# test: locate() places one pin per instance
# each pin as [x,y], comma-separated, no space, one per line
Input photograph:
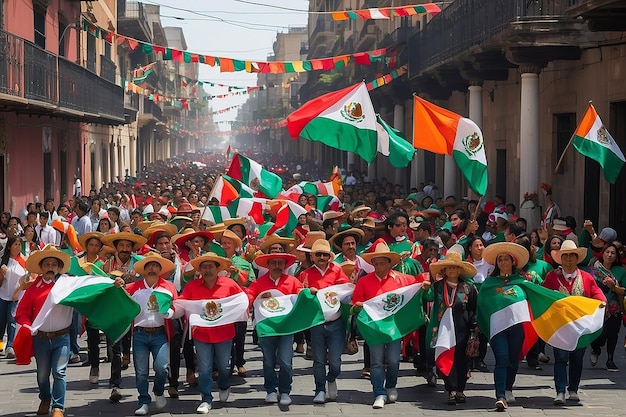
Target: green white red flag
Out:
[255,176]
[215,312]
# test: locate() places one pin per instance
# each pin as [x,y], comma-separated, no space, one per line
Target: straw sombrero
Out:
[83,239]
[48,251]
[322,245]
[359,208]
[236,220]
[337,239]
[467,270]
[168,228]
[569,246]
[188,234]
[310,239]
[222,263]
[518,252]
[348,268]
[379,249]
[167,266]
[138,241]
[229,234]
[288,243]
[263,260]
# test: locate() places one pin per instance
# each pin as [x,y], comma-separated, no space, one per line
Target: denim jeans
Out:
[277,349]
[52,356]
[389,354]
[7,310]
[210,354]
[144,345]
[506,347]
[328,338]
[575,369]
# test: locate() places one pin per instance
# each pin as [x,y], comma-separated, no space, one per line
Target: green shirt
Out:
[538,270]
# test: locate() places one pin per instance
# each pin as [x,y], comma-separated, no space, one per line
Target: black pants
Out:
[175,345]
[301,337]
[609,334]
[114,353]
[189,355]
[457,378]
[239,344]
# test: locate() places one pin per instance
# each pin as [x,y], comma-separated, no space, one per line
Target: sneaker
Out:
[431,379]
[10,353]
[501,404]
[573,396]
[142,411]
[192,379]
[172,392]
[203,408]
[593,358]
[44,407]
[560,399]
[300,348]
[116,395]
[271,398]
[332,391]
[160,402]
[451,398]
[610,366]
[94,375]
[224,394]
[365,373]
[74,358]
[320,398]
[392,395]
[543,358]
[285,400]
[241,371]
[379,402]
[510,398]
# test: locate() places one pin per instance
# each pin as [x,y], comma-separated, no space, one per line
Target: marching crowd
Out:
[473,263]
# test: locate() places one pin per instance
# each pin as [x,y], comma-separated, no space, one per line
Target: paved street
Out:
[602,392]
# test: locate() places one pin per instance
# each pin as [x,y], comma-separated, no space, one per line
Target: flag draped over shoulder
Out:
[255,176]
[442,131]
[106,306]
[343,119]
[446,343]
[594,141]
[282,314]
[392,315]
[393,143]
[215,312]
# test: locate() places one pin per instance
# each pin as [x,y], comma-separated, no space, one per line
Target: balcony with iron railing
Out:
[107,68]
[36,81]
[322,39]
[132,20]
[150,112]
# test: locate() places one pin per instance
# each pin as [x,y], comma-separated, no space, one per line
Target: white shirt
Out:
[11,279]
[48,234]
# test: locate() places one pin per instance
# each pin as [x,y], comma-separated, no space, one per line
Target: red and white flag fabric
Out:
[446,343]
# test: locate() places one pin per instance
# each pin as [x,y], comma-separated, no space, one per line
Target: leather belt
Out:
[51,335]
[150,329]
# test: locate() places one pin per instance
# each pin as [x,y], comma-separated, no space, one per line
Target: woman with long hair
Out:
[30,241]
[12,268]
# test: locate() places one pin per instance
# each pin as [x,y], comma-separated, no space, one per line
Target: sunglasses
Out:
[322,254]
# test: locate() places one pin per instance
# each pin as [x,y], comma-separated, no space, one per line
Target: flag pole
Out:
[558,165]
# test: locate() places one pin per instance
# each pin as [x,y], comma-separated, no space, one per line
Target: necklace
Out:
[447,298]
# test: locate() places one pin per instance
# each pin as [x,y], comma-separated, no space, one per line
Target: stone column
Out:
[529,138]
[398,123]
[450,172]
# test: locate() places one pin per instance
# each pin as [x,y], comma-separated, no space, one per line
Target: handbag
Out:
[352,347]
[472,349]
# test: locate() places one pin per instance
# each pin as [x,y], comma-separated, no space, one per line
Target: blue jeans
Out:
[327,338]
[52,356]
[506,347]
[145,344]
[389,354]
[7,310]
[575,369]
[277,349]
[209,354]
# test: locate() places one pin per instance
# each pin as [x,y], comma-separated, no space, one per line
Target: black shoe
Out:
[482,367]
[431,379]
[460,397]
[116,395]
[610,366]
[451,398]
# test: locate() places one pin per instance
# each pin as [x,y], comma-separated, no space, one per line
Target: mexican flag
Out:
[441,131]
[446,343]
[255,176]
[227,189]
[283,314]
[287,213]
[592,140]
[391,315]
[215,312]
[393,143]
[343,119]
[216,214]
[106,306]
[163,298]
[249,207]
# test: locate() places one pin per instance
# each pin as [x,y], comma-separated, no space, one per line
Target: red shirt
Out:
[312,277]
[555,279]
[197,290]
[286,284]
[369,286]
[33,300]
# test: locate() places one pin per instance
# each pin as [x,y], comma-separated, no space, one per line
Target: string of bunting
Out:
[431,9]
[386,79]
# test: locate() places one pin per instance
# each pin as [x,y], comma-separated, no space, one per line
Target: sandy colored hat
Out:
[236,220]
[168,228]
[167,266]
[222,263]
[188,234]
[568,246]
[263,260]
[379,249]
[145,224]
[322,245]
[273,239]
[83,239]
[310,239]
[348,268]
[518,252]
[337,239]
[559,225]
[48,251]
[229,234]
[369,223]
[331,214]
[359,208]
[138,240]
[217,230]
[466,269]
[402,203]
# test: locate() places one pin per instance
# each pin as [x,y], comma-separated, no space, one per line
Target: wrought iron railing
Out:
[150,107]
[40,74]
[107,68]
[11,64]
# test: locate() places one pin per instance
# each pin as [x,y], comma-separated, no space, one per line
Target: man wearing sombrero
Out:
[51,341]
[398,241]
[149,334]
[346,242]
[276,349]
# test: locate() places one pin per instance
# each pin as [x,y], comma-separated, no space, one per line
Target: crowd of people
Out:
[148,234]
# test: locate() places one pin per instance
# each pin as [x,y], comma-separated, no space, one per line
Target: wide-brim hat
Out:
[466,269]
[518,252]
[48,251]
[263,260]
[322,245]
[310,239]
[222,263]
[402,203]
[348,268]
[229,234]
[331,214]
[168,228]
[188,234]
[184,208]
[559,225]
[273,239]
[138,240]
[145,224]
[360,207]
[380,249]
[568,246]
[237,220]
[217,230]
[83,239]
[369,223]
[337,239]
[167,266]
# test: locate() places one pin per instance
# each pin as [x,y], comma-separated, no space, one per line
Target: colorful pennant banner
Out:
[387,12]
